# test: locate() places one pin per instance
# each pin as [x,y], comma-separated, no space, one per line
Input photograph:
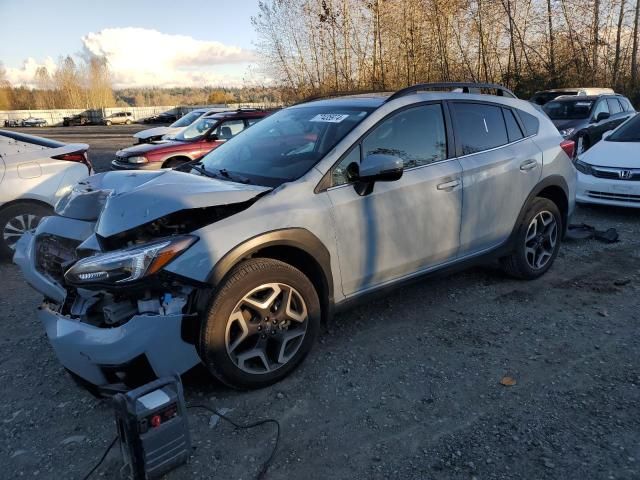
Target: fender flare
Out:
[550,181]
[298,238]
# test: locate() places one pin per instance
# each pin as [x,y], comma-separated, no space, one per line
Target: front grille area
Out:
[54,255]
[614,173]
[621,197]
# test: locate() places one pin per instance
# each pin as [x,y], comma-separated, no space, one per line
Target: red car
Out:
[193,142]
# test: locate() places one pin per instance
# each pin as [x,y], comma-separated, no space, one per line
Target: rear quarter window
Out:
[530,122]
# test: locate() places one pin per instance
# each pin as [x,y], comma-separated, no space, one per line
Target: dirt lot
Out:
[406,387]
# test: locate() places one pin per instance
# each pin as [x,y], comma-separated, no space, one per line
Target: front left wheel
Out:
[17,219]
[261,324]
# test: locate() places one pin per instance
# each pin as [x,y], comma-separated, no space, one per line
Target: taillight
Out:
[569,147]
[79,156]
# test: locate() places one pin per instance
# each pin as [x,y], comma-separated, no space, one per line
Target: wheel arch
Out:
[297,247]
[166,162]
[18,201]
[554,188]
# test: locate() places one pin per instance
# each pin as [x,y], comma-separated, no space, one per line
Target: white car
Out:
[609,172]
[34,173]
[156,133]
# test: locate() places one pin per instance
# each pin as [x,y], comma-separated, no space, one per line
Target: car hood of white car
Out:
[154,132]
[613,154]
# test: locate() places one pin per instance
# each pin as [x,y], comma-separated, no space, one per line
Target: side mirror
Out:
[602,116]
[377,168]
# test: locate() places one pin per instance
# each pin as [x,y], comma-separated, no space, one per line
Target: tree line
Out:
[320,46]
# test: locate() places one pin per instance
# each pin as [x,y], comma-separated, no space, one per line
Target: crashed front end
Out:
[114,316]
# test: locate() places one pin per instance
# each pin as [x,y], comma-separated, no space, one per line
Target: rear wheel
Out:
[108,123]
[261,324]
[17,219]
[128,122]
[537,241]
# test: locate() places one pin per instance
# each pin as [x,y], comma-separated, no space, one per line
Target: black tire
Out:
[128,122]
[108,123]
[13,211]
[244,278]
[517,264]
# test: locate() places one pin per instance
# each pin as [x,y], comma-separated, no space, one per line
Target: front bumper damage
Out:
[144,346]
[106,357]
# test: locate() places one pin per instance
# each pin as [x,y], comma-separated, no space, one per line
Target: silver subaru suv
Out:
[235,260]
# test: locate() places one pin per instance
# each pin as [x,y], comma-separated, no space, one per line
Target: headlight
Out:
[127,265]
[583,167]
[567,132]
[137,160]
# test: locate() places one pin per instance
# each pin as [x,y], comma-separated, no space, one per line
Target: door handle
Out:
[448,186]
[528,165]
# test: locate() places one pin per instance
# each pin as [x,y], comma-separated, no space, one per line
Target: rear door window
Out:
[479,127]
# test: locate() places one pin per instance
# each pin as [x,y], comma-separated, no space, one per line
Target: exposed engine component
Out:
[116,313]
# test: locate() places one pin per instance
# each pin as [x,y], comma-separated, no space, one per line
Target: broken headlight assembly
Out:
[128,265]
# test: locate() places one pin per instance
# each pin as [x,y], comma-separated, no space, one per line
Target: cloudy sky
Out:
[147,43]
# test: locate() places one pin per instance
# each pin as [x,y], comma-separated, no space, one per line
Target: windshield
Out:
[197,129]
[628,131]
[188,119]
[285,145]
[568,109]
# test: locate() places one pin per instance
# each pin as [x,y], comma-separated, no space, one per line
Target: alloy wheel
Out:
[541,239]
[17,226]
[266,328]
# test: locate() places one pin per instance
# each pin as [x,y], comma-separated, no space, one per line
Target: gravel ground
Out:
[406,387]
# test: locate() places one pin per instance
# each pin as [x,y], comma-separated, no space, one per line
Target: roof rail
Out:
[465,86]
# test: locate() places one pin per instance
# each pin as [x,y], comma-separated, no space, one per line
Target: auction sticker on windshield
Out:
[329,117]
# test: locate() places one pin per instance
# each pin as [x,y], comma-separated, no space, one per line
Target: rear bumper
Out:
[601,191]
[100,355]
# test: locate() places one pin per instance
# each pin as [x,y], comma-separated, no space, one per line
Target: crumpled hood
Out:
[120,201]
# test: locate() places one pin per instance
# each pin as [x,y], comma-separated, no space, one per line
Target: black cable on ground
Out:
[104,455]
[267,463]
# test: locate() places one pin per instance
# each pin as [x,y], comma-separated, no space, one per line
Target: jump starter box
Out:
[153,429]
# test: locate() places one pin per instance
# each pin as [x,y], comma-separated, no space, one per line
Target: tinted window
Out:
[626,104]
[479,127]
[568,109]
[530,123]
[342,173]
[416,135]
[614,106]
[628,131]
[601,107]
[513,129]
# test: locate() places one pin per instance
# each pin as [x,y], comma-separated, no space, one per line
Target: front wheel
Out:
[537,241]
[108,123]
[17,219]
[261,324]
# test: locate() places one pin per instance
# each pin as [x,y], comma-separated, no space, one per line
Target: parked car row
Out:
[26,122]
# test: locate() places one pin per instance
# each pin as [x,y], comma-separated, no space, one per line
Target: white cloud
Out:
[25,74]
[140,57]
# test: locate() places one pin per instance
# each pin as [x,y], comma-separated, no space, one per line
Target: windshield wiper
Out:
[204,171]
[233,176]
